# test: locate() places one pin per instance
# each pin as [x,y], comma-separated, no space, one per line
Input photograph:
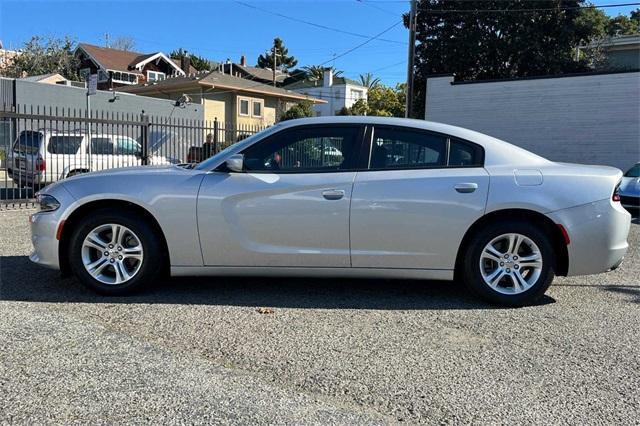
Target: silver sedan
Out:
[341,196]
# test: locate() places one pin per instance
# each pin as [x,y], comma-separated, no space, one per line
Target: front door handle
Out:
[333,194]
[466,188]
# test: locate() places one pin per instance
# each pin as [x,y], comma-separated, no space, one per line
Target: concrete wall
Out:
[591,119]
[53,95]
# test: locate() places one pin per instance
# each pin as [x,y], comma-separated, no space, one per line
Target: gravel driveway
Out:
[332,351]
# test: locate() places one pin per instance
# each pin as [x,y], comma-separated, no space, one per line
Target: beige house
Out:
[237,101]
[52,78]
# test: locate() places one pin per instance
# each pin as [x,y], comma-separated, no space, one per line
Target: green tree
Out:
[43,56]
[624,25]
[360,107]
[386,101]
[300,110]
[368,80]
[198,62]
[345,111]
[283,61]
[486,45]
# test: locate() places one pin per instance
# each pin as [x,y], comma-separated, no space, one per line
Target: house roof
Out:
[260,73]
[310,82]
[120,60]
[41,77]
[217,80]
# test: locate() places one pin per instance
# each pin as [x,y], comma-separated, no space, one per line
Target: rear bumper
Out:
[598,232]
[630,202]
[26,178]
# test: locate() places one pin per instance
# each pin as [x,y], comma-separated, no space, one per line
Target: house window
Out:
[243,106]
[123,77]
[84,73]
[257,108]
[155,76]
[357,94]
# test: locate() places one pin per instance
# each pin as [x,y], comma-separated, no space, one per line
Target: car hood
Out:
[162,169]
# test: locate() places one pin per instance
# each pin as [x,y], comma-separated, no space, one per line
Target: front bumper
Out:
[44,229]
[598,232]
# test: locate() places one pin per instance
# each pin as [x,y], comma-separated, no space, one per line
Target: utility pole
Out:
[275,62]
[411,59]
[106,40]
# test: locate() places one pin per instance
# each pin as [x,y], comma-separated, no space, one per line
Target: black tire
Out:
[470,268]
[75,173]
[152,261]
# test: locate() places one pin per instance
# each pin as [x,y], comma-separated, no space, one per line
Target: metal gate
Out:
[40,145]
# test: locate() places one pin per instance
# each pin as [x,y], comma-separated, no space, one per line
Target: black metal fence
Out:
[41,145]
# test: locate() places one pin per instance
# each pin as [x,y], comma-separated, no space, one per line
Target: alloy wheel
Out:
[511,263]
[112,254]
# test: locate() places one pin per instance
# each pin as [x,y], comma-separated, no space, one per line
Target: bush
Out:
[300,110]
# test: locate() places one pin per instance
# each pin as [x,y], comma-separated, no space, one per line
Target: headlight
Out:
[46,203]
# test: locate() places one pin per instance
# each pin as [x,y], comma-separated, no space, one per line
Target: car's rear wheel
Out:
[509,263]
[114,252]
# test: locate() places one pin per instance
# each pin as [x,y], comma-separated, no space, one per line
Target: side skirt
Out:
[423,274]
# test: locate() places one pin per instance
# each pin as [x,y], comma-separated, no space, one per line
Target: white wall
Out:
[337,97]
[592,119]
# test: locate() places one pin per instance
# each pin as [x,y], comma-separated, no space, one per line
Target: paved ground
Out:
[342,352]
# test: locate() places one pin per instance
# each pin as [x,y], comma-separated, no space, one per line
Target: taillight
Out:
[616,193]
[41,164]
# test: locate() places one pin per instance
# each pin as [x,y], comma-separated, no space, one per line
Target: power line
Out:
[313,24]
[381,9]
[370,39]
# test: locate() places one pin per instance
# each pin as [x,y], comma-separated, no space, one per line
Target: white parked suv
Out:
[40,157]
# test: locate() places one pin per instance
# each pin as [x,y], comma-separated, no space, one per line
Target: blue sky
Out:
[226,29]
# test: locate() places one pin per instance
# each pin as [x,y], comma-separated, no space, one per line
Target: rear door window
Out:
[464,154]
[399,148]
[64,144]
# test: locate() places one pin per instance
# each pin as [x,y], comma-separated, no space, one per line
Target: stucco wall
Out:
[53,95]
[592,119]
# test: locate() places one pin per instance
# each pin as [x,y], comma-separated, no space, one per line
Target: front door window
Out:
[305,150]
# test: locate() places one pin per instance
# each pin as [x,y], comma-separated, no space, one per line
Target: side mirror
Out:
[235,163]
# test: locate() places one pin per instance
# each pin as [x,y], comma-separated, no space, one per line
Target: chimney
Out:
[327,80]
[185,64]
[243,61]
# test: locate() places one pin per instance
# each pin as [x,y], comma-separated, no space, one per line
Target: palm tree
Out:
[317,71]
[369,81]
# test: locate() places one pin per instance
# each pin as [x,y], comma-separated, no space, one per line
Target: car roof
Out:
[497,152]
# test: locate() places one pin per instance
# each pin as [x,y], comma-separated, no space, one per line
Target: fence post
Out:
[215,135]
[144,138]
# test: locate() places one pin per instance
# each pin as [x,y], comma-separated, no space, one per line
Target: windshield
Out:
[634,171]
[210,162]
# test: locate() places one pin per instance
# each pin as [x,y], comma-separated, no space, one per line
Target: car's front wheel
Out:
[114,252]
[509,263]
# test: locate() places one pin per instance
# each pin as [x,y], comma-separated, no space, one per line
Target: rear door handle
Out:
[333,194]
[466,188]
